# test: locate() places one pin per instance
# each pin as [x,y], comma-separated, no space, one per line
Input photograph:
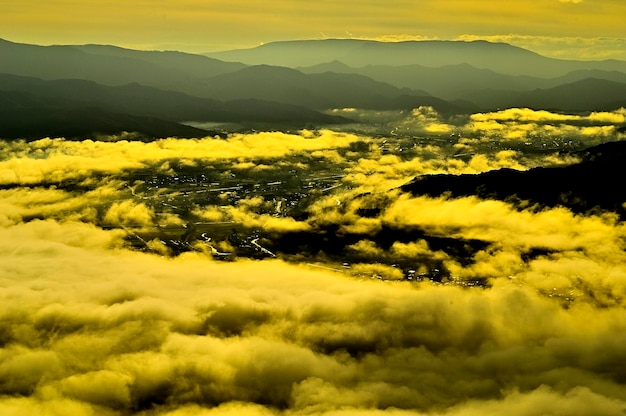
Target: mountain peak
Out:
[499,57]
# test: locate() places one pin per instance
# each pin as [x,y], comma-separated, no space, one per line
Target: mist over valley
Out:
[329,227]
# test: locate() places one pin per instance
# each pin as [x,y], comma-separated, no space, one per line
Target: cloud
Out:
[588,47]
[129,213]
[398,38]
[524,114]
[55,160]
[537,128]
[430,120]
[99,329]
[545,401]
[89,325]
[523,124]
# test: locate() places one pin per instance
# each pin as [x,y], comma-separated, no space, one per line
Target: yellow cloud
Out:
[90,327]
[57,160]
[523,124]
[523,114]
[100,330]
[129,213]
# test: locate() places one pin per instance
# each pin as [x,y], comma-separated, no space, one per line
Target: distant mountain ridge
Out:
[457,81]
[24,116]
[30,105]
[168,86]
[319,91]
[584,95]
[111,65]
[198,75]
[498,57]
[489,75]
[140,100]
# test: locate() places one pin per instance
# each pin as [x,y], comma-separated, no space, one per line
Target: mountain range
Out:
[25,99]
[498,57]
[283,85]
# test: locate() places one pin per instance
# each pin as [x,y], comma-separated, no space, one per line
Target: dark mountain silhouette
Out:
[136,99]
[320,91]
[589,94]
[593,183]
[489,75]
[461,81]
[110,65]
[205,77]
[24,116]
[191,64]
[498,57]
[448,82]
[177,87]
[46,101]
[299,53]
[574,76]
[584,90]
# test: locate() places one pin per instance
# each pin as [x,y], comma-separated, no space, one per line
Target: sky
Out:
[578,29]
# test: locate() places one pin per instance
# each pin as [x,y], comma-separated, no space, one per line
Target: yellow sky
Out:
[572,28]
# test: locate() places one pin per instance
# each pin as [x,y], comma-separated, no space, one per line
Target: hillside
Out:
[204,77]
[448,82]
[581,187]
[175,87]
[24,116]
[67,106]
[497,57]
[319,91]
[590,94]
[110,65]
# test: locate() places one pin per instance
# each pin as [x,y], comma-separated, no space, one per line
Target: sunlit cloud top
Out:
[93,324]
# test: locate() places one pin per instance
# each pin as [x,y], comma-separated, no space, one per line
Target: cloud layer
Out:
[101,329]
[92,324]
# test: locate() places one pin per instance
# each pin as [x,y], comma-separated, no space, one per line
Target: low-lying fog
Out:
[95,321]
